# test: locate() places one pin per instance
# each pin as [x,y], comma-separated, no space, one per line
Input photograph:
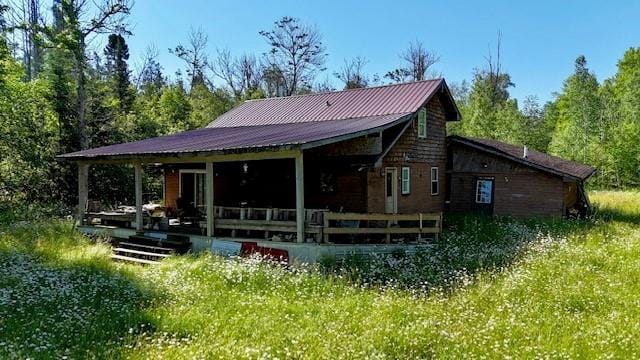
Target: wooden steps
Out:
[146,250]
[154,249]
[133,260]
[125,251]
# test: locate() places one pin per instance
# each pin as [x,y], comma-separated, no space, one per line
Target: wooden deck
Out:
[321,226]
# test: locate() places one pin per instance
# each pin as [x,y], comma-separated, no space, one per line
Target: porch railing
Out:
[384,224]
[320,225]
[267,220]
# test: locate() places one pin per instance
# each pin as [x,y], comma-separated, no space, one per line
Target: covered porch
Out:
[312,184]
[241,197]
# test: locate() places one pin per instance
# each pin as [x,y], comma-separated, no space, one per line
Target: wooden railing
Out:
[321,225]
[365,224]
[267,220]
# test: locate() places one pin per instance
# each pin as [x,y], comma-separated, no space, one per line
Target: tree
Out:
[241,75]
[150,78]
[576,136]
[75,22]
[621,111]
[28,137]
[296,55]
[194,55]
[206,105]
[417,61]
[27,20]
[117,53]
[352,74]
[489,109]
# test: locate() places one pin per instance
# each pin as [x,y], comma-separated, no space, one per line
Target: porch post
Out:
[209,195]
[138,179]
[300,214]
[83,190]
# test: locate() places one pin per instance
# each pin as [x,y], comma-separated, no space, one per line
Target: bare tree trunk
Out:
[81,82]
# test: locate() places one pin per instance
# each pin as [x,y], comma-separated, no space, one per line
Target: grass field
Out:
[490,289]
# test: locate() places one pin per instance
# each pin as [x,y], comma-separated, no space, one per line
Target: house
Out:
[354,166]
[493,177]
[304,176]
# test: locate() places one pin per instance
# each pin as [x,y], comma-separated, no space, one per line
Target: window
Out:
[406,180]
[435,185]
[484,191]
[422,123]
[192,187]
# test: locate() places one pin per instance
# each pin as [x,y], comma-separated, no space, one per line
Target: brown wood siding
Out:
[518,190]
[419,155]
[171,187]
[570,194]
[350,194]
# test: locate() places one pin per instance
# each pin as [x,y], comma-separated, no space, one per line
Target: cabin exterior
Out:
[354,171]
[493,177]
[362,167]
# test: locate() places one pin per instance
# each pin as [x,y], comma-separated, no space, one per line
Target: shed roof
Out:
[339,105]
[244,138]
[536,159]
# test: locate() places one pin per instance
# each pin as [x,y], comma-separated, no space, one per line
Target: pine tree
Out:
[116,54]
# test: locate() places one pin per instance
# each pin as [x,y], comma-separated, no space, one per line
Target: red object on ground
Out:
[275,254]
[248,248]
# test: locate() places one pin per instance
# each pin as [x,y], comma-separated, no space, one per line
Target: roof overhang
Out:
[452,113]
[318,134]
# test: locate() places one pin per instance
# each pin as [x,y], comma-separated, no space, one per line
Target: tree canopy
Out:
[60,94]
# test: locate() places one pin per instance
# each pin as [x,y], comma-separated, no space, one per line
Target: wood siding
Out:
[419,154]
[171,188]
[518,190]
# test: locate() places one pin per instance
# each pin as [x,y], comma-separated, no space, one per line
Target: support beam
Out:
[83,190]
[209,194]
[300,213]
[138,179]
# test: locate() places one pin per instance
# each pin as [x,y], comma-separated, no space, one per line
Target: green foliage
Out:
[587,122]
[28,137]
[514,289]
[117,54]
[577,127]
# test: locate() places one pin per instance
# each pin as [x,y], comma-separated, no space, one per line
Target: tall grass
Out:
[492,288]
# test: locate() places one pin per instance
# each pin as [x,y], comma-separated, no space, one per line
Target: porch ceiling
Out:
[235,140]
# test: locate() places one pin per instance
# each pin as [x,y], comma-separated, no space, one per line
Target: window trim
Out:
[422,118]
[478,181]
[436,181]
[407,180]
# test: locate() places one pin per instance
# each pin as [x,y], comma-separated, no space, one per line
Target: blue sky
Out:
[540,39]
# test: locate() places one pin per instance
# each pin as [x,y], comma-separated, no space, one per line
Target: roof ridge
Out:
[311,121]
[344,90]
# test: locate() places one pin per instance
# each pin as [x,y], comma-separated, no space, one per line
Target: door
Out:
[192,188]
[483,195]
[391,190]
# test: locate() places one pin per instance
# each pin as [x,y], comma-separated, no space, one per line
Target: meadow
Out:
[490,288]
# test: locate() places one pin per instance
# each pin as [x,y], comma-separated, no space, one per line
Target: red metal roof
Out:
[539,160]
[225,139]
[338,105]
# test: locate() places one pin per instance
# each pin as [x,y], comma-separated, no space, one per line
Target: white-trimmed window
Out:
[484,191]
[422,123]
[406,180]
[435,184]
